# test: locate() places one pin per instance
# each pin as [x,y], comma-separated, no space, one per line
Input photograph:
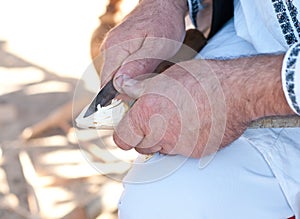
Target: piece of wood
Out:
[276,122]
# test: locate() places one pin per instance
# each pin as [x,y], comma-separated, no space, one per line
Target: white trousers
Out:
[257,176]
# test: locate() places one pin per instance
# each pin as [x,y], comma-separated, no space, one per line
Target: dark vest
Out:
[222,12]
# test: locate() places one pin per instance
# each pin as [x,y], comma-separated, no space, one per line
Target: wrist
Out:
[253,88]
[264,88]
[178,5]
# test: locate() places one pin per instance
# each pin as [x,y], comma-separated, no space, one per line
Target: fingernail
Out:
[119,81]
[133,88]
[129,83]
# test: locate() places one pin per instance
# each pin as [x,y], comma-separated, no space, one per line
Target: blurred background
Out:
[45,166]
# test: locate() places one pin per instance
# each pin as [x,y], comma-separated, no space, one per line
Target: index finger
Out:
[112,56]
[127,135]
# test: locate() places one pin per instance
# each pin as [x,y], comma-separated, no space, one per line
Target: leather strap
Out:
[222,12]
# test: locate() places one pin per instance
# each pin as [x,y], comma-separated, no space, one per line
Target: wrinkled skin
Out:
[126,46]
[193,108]
[199,106]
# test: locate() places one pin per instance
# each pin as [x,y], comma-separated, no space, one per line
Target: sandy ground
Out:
[44,51]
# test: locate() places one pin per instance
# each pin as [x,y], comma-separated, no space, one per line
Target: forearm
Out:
[256,81]
[178,5]
[269,96]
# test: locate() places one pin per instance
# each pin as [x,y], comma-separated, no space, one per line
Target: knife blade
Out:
[104,98]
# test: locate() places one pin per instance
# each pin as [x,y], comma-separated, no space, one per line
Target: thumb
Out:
[132,72]
[134,69]
[134,87]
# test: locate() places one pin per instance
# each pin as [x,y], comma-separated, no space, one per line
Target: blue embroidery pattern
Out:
[293,12]
[290,76]
[284,20]
[194,7]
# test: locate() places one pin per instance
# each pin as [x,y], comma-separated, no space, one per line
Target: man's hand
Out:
[199,106]
[152,32]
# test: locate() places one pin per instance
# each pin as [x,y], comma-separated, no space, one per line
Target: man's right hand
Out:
[152,32]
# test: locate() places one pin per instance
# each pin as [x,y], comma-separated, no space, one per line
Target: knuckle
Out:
[167,149]
[120,143]
[128,133]
[145,105]
[139,116]
[145,150]
[110,39]
[107,42]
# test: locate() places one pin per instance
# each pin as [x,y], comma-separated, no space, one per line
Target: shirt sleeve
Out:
[291,77]
[194,7]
